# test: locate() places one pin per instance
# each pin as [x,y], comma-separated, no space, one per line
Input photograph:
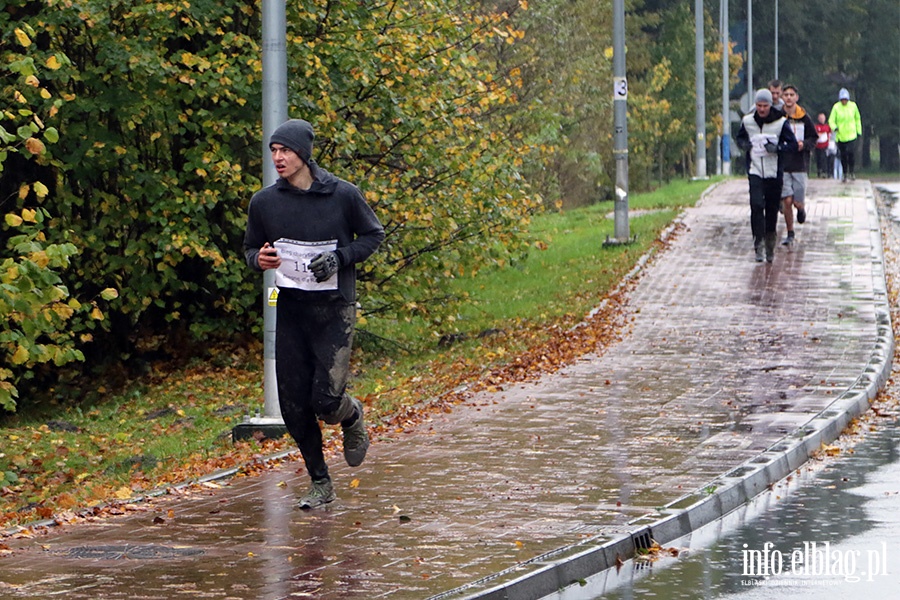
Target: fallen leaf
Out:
[123,493]
[354,484]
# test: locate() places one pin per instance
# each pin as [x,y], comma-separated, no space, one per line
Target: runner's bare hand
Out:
[268,257]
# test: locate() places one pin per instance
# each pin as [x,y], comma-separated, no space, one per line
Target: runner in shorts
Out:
[796,164]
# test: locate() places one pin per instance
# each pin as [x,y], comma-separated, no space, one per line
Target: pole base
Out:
[258,428]
[619,242]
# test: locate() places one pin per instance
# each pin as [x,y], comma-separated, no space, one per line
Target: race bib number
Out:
[294,270]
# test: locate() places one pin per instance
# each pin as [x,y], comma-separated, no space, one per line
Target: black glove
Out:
[324,265]
[771,147]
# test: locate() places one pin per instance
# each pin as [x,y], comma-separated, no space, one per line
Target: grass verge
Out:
[175,426]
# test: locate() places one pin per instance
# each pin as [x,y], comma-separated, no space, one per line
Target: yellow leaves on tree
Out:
[20,356]
[22,37]
[34,145]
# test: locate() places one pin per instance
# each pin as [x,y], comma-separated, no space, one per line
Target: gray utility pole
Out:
[751,91]
[620,117]
[700,90]
[274,113]
[726,93]
[776,39]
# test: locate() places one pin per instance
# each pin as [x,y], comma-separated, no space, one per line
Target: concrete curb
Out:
[562,568]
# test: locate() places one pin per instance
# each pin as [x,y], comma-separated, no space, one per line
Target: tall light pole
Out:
[700,90]
[274,113]
[776,39]
[726,93]
[620,116]
[750,89]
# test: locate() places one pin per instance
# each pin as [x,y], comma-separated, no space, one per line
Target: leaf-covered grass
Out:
[175,426]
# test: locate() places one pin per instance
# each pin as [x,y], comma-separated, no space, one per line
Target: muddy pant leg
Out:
[333,342]
[295,369]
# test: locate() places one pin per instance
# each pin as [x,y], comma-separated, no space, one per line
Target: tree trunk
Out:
[889,150]
[865,152]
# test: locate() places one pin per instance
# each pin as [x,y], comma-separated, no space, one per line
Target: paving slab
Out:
[724,361]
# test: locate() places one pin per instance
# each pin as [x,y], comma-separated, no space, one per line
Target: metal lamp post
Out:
[700,90]
[726,93]
[274,113]
[620,123]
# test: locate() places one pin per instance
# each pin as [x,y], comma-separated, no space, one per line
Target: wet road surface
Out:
[721,358]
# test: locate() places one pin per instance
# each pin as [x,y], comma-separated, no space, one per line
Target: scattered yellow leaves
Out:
[67,501]
[354,483]
[831,450]
[123,493]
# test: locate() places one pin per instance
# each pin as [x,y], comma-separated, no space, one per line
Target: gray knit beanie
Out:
[763,95]
[297,135]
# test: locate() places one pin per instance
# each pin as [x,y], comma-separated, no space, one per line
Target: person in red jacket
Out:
[823,134]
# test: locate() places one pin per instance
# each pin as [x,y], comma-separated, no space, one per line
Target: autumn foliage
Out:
[131,146]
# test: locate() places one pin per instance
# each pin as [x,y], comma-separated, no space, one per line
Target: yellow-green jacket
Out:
[845,121]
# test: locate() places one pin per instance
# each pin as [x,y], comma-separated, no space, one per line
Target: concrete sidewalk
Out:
[730,374]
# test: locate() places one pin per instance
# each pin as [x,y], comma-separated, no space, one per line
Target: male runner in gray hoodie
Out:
[313,227]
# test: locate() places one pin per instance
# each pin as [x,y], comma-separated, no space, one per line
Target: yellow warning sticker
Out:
[273,296]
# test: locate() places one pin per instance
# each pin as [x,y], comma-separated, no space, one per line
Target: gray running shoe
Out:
[787,241]
[320,492]
[356,438]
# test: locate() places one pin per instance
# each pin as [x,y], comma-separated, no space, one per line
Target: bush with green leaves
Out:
[41,323]
[153,111]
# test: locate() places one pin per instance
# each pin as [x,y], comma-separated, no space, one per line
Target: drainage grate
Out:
[150,552]
[643,540]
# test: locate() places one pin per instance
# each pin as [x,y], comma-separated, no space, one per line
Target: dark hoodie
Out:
[804,130]
[331,209]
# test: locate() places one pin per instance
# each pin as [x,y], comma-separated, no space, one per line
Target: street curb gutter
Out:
[562,568]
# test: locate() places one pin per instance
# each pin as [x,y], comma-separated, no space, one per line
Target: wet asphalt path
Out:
[721,358]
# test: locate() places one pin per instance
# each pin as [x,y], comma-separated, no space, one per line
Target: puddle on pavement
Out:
[835,530]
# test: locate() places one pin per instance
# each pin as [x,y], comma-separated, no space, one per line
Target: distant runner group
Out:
[777,137]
